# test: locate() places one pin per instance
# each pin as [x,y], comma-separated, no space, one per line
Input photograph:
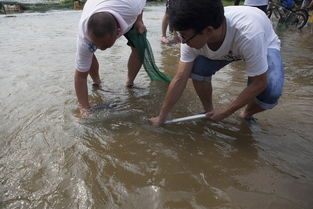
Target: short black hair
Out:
[101,24]
[195,14]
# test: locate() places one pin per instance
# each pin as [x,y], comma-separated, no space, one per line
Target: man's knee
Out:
[270,96]
[200,65]
[204,68]
[275,81]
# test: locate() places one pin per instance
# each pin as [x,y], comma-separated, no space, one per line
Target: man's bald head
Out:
[101,24]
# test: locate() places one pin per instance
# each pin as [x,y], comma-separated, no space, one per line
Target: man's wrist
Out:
[162,117]
[228,111]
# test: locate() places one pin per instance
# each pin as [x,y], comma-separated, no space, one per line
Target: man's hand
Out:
[140,27]
[217,114]
[174,91]
[156,121]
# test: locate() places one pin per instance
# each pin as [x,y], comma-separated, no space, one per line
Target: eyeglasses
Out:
[184,40]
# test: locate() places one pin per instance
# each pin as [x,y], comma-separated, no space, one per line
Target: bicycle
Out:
[289,16]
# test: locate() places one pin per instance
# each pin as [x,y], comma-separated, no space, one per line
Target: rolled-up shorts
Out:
[129,41]
[204,68]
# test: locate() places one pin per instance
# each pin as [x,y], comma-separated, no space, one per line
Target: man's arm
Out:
[85,62]
[174,92]
[253,51]
[257,85]
[82,91]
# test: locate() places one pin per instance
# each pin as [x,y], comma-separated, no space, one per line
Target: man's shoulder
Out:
[246,20]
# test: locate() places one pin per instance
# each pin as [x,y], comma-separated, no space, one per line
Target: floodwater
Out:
[49,158]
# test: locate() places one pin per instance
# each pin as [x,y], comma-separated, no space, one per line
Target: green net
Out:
[143,47]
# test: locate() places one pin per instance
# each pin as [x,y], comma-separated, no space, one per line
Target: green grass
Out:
[228,2]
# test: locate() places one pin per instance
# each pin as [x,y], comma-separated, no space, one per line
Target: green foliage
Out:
[228,2]
[63,2]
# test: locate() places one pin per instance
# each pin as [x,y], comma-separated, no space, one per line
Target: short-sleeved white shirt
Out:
[255,2]
[124,11]
[249,34]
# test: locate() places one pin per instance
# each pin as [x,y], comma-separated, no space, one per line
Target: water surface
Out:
[115,159]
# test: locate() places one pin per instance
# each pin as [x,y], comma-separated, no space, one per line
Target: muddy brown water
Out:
[115,159]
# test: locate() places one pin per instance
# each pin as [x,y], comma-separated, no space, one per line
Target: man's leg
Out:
[94,71]
[201,75]
[236,2]
[134,65]
[204,91]
[164,28]
[268,99]
[164,24]
[164,38]
[251,109]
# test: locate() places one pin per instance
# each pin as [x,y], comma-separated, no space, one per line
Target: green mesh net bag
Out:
[143,47]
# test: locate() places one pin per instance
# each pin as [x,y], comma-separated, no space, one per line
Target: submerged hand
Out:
[217,114]
[156,121]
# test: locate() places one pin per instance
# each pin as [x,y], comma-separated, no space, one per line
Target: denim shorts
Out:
[204,68]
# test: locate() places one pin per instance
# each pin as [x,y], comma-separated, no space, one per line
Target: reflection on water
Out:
[115,159]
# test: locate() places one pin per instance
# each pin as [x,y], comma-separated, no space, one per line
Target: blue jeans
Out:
[204,68]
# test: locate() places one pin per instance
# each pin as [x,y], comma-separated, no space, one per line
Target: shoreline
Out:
[12,7]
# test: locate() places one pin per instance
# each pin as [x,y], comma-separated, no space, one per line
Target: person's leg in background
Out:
[164,38]
[236,2]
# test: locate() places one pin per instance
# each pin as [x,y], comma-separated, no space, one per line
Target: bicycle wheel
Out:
[269,12]
[304,11]
[301,18]
[269,9]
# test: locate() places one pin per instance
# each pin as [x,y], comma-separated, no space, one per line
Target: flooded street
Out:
[49,158]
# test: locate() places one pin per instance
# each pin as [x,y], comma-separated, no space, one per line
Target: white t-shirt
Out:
[124,11]
[249,34]
[255,2]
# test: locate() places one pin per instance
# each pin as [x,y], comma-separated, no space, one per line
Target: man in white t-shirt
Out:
[212,39]
[261,4]
[101,23]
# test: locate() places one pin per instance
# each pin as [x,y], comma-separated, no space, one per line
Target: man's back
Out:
[124,11]
[248,21]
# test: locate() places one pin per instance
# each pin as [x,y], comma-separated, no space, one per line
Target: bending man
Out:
[211,39]
[101,23]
